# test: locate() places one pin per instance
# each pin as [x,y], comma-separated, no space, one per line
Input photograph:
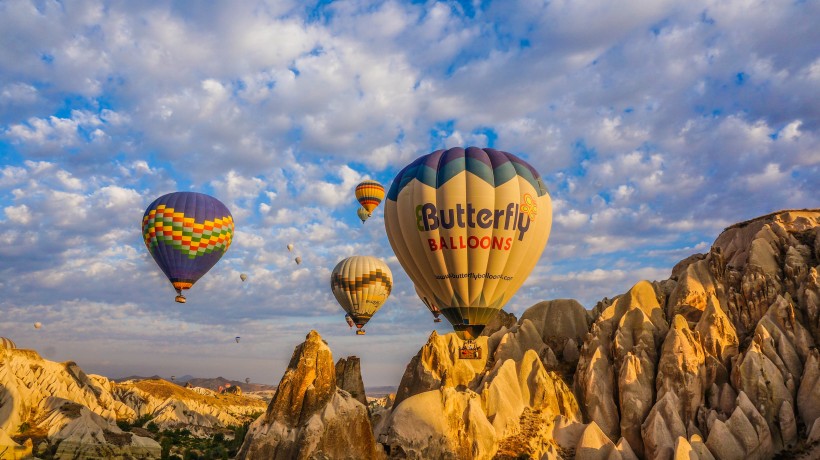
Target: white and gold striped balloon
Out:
[361,285]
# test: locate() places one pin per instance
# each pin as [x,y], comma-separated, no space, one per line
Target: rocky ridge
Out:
[45,405]
[718,361]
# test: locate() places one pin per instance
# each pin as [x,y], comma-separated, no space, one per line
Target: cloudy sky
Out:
[654,124]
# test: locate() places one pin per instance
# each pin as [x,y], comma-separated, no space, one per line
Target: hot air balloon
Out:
[173,377]
[186,233]
[349,321]
[247,380]
[369,193]
[361,284]
[38,325]
[468,226]
[290,247]
[237,339]
[298,260]
[363,214]
[430,306]
[243,277]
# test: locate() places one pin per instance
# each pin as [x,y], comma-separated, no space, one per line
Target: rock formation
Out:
[719,361]
[309,416]
[57,406]
[502,404]
[349,378]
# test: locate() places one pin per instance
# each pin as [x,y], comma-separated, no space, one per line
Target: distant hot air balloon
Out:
[237,339]
[290,247]
[468,226]
[369,193]
[430,306]
[186,233]
[247,380]
[38,325]
[349,321]
[363,214]
[243,277]
[173,377]
[298,260]
[361,284]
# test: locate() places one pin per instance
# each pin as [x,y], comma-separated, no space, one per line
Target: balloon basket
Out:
[360,332]
[470,350]
[181,299]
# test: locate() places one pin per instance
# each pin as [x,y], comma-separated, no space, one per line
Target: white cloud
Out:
[18,214]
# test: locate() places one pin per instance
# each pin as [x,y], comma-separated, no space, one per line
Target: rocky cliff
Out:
[717,362]
[55,407]
[310,417]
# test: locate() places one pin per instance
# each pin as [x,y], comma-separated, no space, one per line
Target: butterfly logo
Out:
[529,207]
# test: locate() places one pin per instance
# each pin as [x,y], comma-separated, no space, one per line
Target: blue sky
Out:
[654,125]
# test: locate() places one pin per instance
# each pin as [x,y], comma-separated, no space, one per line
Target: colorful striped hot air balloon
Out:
[186,233]
[361,284]
[369,193]
[468,226]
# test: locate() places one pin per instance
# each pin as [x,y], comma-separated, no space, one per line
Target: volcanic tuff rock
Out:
[349,378]
[452,408]
[199,410]
[719,361]
[57,404]
[309,417]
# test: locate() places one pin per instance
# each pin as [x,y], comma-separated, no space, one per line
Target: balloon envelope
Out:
[468,226]
[186,233]
[298,260]
[290,247]
[38,325]
[243,277]
[361,285]
[363,214]
[369,193]
[237,339]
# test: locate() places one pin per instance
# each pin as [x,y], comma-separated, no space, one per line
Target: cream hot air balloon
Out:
[38,325]
[468,226]
[243,277]
[361,285]
[363,214]
[430,306]
[290,247]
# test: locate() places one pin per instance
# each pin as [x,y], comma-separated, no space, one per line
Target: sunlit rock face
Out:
[75,415]
[73,410]
[309,416]
[718,361]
